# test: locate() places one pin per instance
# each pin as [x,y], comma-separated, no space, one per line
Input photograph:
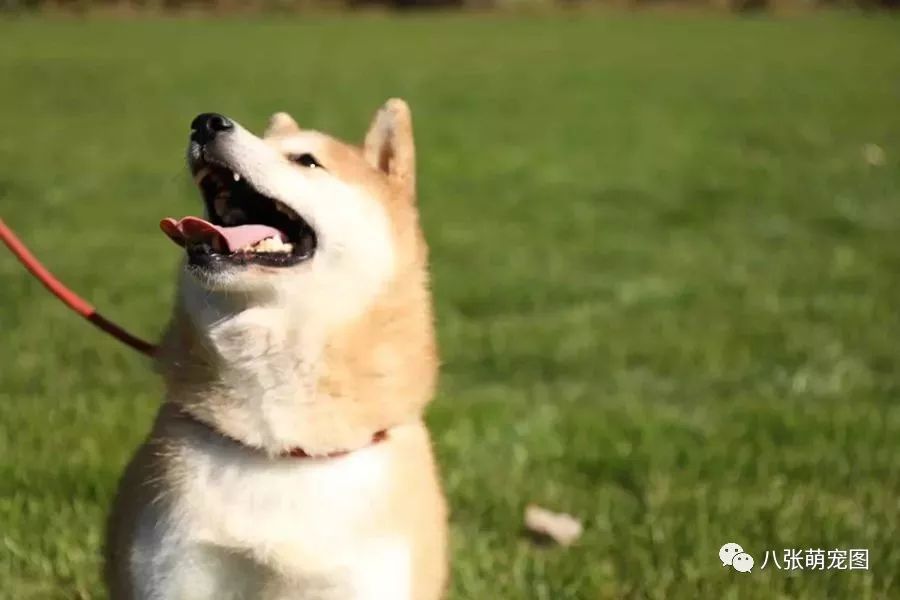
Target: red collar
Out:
[379,436]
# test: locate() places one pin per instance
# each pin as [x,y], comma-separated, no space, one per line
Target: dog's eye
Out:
[306,159]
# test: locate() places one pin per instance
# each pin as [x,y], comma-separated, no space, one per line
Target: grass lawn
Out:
[667,279]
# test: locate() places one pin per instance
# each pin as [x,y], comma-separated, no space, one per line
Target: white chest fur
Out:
[244,526]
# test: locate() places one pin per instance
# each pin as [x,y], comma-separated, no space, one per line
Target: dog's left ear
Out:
[389,145]
[281,123]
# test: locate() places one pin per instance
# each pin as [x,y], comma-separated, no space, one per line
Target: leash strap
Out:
[70,298]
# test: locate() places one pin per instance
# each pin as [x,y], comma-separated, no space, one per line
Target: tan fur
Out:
[372,371]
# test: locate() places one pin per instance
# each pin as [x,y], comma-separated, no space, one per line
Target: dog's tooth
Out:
[272,245]
[201,175]
[237,176]
[266,245]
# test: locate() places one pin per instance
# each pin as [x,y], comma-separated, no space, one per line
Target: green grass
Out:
[667,281]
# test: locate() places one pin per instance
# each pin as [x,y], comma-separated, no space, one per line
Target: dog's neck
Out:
[260,349]
[264,374]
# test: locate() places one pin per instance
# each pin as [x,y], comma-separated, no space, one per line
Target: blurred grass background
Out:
[665,254]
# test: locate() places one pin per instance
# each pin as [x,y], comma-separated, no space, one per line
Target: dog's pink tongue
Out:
[232,238]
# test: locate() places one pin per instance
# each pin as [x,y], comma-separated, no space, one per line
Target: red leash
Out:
[70,298]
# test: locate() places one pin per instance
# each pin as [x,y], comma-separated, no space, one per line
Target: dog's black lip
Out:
[296,229]
[199,158]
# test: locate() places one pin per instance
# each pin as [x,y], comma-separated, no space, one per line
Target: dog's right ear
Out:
[281,123]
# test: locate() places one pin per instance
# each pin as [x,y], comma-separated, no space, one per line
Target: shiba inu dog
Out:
[289,459]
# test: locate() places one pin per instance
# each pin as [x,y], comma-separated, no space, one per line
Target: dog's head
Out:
[299,214]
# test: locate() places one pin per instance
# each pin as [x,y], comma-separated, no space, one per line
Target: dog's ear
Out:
[389,145]
[281,123]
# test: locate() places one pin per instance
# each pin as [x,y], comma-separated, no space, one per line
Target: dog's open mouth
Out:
[245,226]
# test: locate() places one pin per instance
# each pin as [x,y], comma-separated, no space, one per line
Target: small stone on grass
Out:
[562,528]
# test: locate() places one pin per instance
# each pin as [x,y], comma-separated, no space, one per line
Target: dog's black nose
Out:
[205,126]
